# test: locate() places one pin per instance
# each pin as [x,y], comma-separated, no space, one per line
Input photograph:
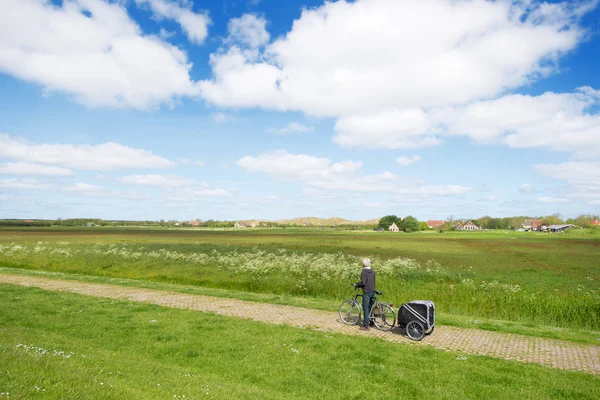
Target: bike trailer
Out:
[418,317]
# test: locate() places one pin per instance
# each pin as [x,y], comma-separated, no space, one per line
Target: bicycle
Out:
[382,314]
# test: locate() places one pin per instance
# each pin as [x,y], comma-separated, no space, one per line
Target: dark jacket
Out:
[367,280]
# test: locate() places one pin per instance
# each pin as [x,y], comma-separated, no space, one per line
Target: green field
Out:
[59,345]
[536,279]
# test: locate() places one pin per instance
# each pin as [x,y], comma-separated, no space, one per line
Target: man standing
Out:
[367,282]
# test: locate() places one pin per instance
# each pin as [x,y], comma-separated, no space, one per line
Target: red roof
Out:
[595,222]
[435,223]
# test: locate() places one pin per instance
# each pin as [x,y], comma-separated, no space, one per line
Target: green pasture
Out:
[537,279]
[59,345]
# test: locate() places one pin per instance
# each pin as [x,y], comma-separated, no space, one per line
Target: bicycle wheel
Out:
[384,317]
[415,330]
[349,312]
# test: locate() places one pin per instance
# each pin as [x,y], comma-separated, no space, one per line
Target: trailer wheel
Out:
[415,330]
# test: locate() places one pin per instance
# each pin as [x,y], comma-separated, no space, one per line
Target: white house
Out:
[470,226]
[394,228]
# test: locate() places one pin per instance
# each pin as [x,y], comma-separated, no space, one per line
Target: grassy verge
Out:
[573,335]
[59,345]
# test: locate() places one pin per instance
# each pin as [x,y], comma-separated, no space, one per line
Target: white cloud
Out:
[157,180]
[574,173]
[101,157]
[343,176]
[582,179]
[25,168]
[92,50]
[527,188]
[362,57]
[221,118]
[405,161]
[249,30]
[292,127]
[195,25]
[405,75]
[85,188]
[197,192]
[552,200]
[187,161]
[555,121]
[26,184]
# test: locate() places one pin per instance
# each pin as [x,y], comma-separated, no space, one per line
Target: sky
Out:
[270,109]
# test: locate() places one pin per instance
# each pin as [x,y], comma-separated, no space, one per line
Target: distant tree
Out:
[410,224]
[423,226]
[388,220]
[554,219]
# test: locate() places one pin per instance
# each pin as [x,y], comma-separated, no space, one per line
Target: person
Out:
[367,283]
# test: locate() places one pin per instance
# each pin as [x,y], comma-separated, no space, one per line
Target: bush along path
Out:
[547,352]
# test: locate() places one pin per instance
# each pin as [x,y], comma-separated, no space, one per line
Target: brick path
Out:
[548,352]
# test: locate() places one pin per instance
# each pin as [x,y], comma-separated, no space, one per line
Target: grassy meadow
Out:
[60,345]
[537,279]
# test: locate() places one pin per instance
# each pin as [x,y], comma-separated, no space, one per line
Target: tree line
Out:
[411,224]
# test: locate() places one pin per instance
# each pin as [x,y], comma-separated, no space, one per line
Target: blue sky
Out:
[180,109]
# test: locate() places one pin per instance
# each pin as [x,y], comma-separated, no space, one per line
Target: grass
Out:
[527,329]
[538,279]
[59,345]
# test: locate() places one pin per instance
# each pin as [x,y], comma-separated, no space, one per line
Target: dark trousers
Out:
[368,298]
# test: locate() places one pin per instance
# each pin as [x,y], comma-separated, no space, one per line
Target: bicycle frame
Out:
[376,304]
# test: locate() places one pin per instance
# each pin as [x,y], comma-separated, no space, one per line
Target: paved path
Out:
[549,352]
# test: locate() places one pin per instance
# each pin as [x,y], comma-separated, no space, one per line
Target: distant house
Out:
[560,228]
[533,224]
[195,222]
[458,226]
[595,223]
[28,221]
[394,228]
[254,224]
[470,226]
[435,223]
[240,224]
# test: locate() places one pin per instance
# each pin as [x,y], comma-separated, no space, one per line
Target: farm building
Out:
[533,224]
[470,226]
[458,226]
[435,223]
[394,228]
[560,228]
[240,224]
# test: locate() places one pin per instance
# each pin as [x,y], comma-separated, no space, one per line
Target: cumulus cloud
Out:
[552,200]
[157,180]
[249,30]
[194,24]
[527,188]
[93,51]
[101,157]
[322,173]
[405,161]
[25,168]
[405,75]
[199,191]
[347,58]
[555,121]
[292,127]
[582,179]
[25,184]
[187,161]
